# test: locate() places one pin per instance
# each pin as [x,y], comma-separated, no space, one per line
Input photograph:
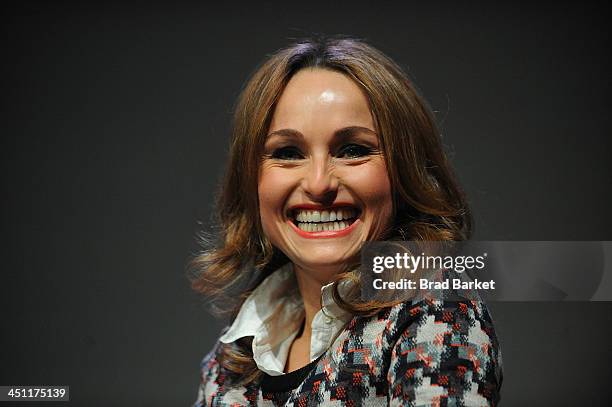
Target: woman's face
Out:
[323,184]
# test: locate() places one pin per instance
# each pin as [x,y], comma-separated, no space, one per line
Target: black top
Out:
[287,382]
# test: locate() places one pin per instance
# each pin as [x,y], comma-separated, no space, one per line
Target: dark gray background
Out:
[114,130]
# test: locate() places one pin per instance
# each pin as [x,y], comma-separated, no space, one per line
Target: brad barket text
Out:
[425,284]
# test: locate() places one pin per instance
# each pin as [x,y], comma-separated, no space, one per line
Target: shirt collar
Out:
[273,314]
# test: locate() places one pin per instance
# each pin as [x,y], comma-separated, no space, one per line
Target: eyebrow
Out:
[340,133]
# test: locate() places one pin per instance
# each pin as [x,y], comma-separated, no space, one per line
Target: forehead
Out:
[321,99]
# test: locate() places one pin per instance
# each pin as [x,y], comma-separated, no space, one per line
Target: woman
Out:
[332,146]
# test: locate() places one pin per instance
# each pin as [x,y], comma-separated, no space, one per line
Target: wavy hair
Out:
[427,200]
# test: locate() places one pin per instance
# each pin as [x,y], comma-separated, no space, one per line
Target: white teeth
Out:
[327,220]
[324,216]
[321,227]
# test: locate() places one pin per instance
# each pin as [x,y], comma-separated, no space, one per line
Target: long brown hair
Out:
[427,201]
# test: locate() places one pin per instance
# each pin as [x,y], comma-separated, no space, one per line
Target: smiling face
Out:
[323,185]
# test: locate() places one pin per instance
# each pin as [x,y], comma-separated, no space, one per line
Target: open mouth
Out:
[327,220]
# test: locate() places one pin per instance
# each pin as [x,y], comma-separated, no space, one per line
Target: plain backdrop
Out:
[114,131]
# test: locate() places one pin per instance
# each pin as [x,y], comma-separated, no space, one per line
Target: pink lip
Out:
[322,208]
[325,233]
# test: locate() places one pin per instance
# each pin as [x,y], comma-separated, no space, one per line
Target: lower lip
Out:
[324,233]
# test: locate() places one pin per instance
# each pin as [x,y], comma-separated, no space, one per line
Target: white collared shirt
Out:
[273,315]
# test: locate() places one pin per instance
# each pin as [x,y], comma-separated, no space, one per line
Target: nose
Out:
[320,183]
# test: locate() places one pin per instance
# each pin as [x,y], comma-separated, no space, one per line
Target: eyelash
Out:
[293,153]
[283,152]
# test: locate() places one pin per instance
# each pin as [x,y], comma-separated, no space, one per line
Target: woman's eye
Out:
[354,151]
[287,153]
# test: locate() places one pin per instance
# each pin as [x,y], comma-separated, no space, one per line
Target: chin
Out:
[327,258]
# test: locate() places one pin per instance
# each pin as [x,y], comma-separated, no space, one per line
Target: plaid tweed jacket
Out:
[429,353]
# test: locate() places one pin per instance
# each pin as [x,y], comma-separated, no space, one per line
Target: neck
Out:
[310,289]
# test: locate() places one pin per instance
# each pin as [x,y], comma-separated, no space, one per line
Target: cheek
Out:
[372,184]
[273,189]
[373,188]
